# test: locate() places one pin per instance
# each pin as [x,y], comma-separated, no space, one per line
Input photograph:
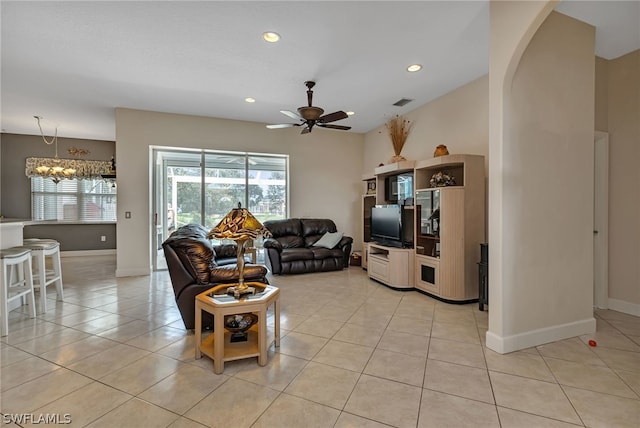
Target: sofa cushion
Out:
[317,226]
[292,254]
[288,227]
[291,241]
[329,240]
[320,253]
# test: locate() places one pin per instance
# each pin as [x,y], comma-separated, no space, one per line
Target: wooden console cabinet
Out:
[391,266]
[448,227]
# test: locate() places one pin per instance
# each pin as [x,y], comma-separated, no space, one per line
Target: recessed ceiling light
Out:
[271,36]
[250,100]
[414,67]
[351,113]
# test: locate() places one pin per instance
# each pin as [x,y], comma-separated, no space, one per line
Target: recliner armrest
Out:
[346,240]
[272,243]
[231,274]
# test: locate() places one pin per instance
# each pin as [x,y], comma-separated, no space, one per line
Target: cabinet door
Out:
[378,268]
[428,275]
[452,244]
[427,241]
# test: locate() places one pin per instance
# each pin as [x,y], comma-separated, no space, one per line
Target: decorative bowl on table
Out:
[238,325]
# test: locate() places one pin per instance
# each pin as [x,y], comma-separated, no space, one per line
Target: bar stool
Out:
[41,249]
[19,257]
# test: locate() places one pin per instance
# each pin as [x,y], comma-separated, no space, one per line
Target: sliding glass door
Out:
[202,186]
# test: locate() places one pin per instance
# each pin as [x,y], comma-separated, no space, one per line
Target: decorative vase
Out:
[397,158]
[441,150]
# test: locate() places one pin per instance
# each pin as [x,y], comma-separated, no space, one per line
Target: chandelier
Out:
[58,169]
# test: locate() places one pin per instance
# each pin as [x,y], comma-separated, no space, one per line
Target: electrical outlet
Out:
[103,238]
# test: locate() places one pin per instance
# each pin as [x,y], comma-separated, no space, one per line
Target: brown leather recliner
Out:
[195,265]
[291,248]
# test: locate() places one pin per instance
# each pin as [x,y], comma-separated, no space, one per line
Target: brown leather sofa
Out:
[291,248]
[195,265]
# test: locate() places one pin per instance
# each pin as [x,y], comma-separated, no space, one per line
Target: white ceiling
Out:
[74,62]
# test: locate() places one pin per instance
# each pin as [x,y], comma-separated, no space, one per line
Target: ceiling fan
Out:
[311,116]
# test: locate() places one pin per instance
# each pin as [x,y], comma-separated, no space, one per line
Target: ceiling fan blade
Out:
[282,125]
[291,114]
[344,128]
[332,117]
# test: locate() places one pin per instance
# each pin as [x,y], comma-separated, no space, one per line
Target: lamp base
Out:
[236,292]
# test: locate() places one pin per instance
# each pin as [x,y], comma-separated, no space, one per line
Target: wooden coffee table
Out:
[217,345]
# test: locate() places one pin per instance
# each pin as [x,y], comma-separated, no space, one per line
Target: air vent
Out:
[402,102]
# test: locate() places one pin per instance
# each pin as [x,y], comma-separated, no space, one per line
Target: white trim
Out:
[541,336]
[624,307]
[87,253]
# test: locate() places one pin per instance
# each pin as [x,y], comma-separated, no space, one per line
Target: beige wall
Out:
[623,77]
[325,171]
[459,120]
[542,129]
[549,178]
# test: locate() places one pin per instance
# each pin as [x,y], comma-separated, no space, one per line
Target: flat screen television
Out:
[386,225]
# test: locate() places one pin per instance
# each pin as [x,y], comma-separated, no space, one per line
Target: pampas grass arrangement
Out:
[399,129]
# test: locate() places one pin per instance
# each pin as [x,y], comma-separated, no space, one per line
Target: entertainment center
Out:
[423,226]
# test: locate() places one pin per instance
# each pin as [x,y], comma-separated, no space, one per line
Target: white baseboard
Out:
[86,253]
[504,345]
[624,307]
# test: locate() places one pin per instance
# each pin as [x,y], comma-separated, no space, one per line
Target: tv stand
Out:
[391,266]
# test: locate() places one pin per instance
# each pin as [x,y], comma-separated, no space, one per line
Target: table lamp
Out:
[240,225]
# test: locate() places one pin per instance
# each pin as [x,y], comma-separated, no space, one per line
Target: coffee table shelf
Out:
[233,351]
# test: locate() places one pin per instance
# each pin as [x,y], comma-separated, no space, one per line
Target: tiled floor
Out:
[354,353]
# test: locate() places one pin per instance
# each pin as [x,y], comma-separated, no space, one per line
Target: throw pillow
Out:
[329,240]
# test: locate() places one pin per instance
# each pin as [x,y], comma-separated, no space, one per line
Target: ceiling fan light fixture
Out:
[310,115]
[310,112]
[271,36]
[414,67]
[250,100]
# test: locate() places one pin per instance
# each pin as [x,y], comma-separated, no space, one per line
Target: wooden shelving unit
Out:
[443,262]
[447,251]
